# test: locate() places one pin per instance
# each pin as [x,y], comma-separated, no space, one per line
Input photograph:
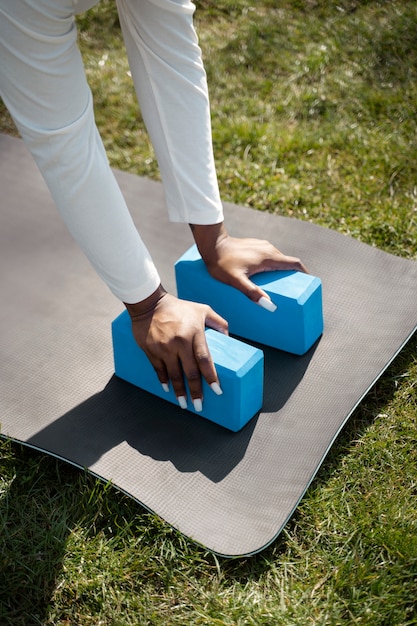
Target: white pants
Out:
[43,84]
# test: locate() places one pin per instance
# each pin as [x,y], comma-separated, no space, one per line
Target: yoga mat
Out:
[232,493]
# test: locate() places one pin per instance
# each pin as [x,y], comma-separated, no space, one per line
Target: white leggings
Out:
[43,84]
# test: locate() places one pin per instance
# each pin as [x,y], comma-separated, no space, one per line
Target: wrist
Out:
[207,238]
[142,308]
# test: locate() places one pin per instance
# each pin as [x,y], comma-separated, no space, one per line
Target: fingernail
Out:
[198,405]
[165,387]
[182,401]
[216,388]
[267,304]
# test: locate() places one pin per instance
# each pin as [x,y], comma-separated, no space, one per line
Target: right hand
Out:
[171,333]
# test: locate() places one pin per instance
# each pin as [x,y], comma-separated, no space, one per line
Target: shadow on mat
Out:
[160,430]
[154,427]
[283,374]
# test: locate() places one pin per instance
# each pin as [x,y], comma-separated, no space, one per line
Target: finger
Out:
[164,377]
[294,263]
[205,362]
[282,262]
[215,321]
[176,377]
[161,372]
[248,288]
[254,293]
[191,361]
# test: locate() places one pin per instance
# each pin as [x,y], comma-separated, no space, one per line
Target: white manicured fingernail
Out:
[267,304]
[182,401]
[216,388]
[198,405]
[165,387]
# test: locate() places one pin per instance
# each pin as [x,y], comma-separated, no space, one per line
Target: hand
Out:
[171,333]
[233,260]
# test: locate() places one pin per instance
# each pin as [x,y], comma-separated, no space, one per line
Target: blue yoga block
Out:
[239,367]
[295,325]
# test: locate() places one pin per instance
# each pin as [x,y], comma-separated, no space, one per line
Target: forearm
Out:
[43,84]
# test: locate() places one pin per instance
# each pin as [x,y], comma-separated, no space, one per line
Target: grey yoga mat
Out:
[232,493]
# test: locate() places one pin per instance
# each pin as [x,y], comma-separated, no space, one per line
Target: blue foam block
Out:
[239,367]
[293,327]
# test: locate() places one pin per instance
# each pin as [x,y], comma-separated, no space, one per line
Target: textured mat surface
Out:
[232,493]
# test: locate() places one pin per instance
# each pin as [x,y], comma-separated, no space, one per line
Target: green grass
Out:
[314,116]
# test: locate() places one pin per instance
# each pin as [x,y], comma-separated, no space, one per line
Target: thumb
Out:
[254,293]
[215,321]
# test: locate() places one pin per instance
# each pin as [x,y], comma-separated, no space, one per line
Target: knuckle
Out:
[166,347]
[160,370]
[176,378]
[193,375]
[207,310]
[252,293]
[176,343]
[202,356]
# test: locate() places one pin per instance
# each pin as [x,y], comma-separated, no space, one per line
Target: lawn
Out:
[314,116]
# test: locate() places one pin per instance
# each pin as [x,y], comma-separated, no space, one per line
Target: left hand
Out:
[233,261]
